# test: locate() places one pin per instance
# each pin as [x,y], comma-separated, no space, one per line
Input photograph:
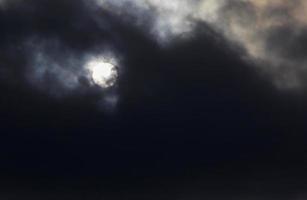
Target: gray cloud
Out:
[48,66]
[58,37]
[59,71]
[46,45]
[271,32]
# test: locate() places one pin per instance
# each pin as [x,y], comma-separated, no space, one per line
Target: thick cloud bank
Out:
[272,33]
[146,87]
[48,43]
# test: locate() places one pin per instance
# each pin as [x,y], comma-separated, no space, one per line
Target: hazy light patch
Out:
[50,74]
[208,10]
[170,18]
[109,102]
[46,68]
[59,72]
[102,72]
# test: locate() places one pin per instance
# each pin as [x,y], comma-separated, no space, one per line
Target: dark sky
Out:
[204,105]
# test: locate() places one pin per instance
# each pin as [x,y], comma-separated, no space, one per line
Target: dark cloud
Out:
[45,46]
[80,29]
[186,102]
[198,78]
[288,42]
[272,34]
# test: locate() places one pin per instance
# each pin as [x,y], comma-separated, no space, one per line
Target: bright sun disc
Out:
[103,73]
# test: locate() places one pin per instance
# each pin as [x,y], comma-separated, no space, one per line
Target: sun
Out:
[102,73]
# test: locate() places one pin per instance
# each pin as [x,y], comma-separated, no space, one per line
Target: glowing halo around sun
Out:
[103,73]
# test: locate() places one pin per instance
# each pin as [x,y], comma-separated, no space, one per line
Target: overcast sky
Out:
[200,98]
